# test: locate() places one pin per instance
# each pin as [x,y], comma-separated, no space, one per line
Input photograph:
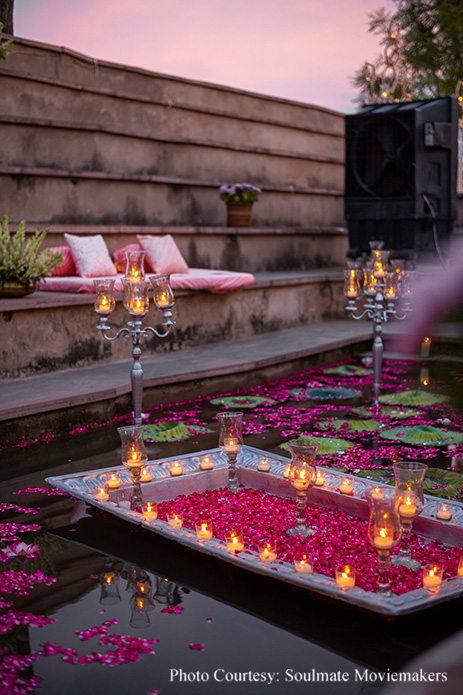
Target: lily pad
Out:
[438,482]
[172,431]
[241,401]
[350,425]
[326,445]
[323,394]
[425,435]
[348,370]
[412,398]
[394,413]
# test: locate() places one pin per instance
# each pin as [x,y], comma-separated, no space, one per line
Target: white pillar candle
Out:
[176,468]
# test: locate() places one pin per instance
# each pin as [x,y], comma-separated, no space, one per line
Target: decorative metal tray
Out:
[163,487]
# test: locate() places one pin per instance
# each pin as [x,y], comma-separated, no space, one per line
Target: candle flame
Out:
[383,532]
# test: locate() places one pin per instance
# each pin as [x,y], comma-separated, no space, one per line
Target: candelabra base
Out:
[405,561]
[301,530]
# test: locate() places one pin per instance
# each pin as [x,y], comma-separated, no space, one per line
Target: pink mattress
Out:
[216,281]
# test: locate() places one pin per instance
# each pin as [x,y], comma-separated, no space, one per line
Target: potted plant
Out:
[239,198]
[21,266]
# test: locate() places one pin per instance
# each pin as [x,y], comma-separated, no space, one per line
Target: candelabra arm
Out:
[168,323]
[351,308]
[103,327]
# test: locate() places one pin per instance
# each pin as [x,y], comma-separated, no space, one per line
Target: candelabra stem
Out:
[404,557]
[137,497]
[136,377]
[377,358]
[384,579]
[232,478]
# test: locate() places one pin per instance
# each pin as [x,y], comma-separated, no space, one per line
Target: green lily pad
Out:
[348,370]
[412,398]
[425,435]
[394,413]
[323,394]
[326,445]
[439,483]
[350,425]
[241,401]
[172,431]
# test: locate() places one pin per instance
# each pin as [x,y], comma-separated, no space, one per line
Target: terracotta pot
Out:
[12,289]
[239,214]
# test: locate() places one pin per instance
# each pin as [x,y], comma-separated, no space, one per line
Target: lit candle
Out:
[286,471]
[113,481]
[432,577]
[176,468]
[408,507]
[145,475]
[460,568]
[301,479]
[345,577]
[444,513]
[109,577]
[383,539]
[101,494]
[319,479]
[267,551]
[425,347]
[231,445]
[346,487]
[263,465]
[235,543]
[303,563]
[137,306]
[204,529]
[352,291]
[163,300]
[377,493]
[104,305]
[150,511]
[206,463]
[175,520]
[134,458]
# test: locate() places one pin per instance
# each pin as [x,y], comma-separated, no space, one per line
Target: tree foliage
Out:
[430,41]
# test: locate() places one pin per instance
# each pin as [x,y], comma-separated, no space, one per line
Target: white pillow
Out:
[90,255]
[163,254]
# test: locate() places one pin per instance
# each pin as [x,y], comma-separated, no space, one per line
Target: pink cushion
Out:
[215,281]
[121,261]
[163,254]
[91,256]
[67,266]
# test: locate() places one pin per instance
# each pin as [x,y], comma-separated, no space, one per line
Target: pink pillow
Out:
[91,256]
[67,266]
[163,254]
[121,261]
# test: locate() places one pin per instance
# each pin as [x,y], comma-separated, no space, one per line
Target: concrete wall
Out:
[89,143]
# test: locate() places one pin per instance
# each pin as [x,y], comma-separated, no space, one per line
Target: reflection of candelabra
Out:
[382,288]
[136,301]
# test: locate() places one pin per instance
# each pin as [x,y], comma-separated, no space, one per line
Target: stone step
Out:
[47,331]
[74,397]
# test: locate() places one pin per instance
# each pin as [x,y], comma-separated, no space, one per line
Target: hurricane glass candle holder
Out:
[302,473]
[409,478]
[383,533]
[231,441]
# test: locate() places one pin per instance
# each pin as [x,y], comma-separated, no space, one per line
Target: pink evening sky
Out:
[306,50]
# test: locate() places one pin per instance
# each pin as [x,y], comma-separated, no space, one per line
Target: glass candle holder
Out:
[176,468]
[163,295]
[345,576]
[383,532]
[352,283]
[432,577]
[231,441]
[204,529]
[380,261]
[109,587]
[175,519]
[303,562]
[104,297]
[206,463]
[409,478]
[133,457]
[263,465]
[150,511]
[135,265]
[140,607]
[113,481]
[301,474]
[444,512]
[376,245]
[145,475]
[234,541]
[392,288]
[346,486]
[370,286]
[101,493]
[136,298]
[267,550]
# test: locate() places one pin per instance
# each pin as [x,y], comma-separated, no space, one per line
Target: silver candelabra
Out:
[382,288]
[136,301]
